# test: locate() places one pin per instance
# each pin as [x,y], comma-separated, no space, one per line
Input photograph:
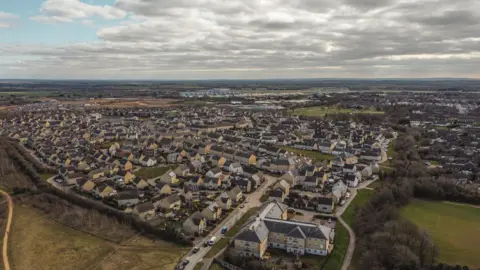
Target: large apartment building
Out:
[271,229]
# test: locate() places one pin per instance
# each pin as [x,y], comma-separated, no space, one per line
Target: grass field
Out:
[35,240]
[321,111]
[147,173]
[363,195]
[46,176]
[454,228]
[315,155]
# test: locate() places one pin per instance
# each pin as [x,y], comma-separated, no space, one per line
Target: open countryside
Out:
[322,111]
[454,227]
[37,240]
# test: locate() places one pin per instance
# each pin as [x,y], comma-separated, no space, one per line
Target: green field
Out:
[455,229]
[147,173]
[28,93]
[321,111]
[46,176]
[315,155]
[363,195]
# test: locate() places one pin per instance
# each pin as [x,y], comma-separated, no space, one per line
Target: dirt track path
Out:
[6,264]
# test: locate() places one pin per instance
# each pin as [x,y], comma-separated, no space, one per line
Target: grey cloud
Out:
[285,38]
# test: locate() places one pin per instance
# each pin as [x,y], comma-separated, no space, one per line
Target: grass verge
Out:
[221,244]
[335,259]
[236,228]
[198,266]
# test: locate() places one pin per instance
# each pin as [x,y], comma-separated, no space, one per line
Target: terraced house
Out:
[270,229]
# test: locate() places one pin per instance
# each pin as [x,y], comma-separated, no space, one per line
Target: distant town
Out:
[251,179]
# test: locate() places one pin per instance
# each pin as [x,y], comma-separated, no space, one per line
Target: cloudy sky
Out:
[239,39]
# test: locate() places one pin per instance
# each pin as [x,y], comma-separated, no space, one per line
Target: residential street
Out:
[253,201]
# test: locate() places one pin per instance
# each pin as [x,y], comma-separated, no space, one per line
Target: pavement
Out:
[253,200]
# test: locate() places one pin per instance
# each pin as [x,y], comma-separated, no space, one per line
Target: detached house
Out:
[103,190]
[172,202]
[246,158]
[163,188]
[212,212]
[235,194]
[224,201]
[352,180]
[144,211]
[350,168]
[195,224]
[324,204]
[85,185]
[127,198]
[169,178]
[139,182]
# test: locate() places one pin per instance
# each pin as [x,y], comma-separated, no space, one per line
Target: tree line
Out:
[385,240]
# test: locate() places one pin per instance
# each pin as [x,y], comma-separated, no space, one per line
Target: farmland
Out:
[454,228]
[322,111]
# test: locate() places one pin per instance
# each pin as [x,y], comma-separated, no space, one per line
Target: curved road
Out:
[351,244]
[6,264]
